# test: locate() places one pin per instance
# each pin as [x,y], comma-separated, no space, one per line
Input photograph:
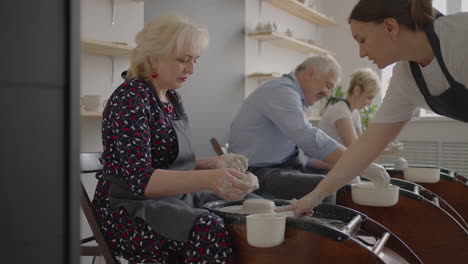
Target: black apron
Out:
[171,217]
[453,102]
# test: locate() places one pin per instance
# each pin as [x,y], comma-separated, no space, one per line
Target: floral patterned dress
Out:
[138,138]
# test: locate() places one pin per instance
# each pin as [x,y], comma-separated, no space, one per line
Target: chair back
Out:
[90,163]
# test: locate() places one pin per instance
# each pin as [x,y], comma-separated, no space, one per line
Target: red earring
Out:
[154,75]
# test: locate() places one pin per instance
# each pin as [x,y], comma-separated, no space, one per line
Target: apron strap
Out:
[415,69]
[333,100]
[435,44]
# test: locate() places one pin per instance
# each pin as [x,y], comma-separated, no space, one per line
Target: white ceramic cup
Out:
[366,193]
[424,175]
[93,102]
[265,230]
[400,164]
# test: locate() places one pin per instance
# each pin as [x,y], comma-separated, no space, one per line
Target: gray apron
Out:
[288,180]
[171,217]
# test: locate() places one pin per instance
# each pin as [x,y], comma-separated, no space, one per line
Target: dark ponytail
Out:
[414,14]
[421,12]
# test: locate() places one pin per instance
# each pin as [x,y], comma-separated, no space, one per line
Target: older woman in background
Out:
[342,120]
[150,194]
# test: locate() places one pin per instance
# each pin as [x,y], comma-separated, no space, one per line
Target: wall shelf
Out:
[298,9]
[99,47]
[90,114]
[264,76]
[284,41]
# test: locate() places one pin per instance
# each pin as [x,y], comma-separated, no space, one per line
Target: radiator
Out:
[451,155]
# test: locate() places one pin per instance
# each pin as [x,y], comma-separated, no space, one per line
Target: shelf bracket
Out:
[260,4]
[259,47]
[112,68]
[113,12]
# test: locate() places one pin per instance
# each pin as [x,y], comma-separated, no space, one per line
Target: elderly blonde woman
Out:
[342,121]
[150,194]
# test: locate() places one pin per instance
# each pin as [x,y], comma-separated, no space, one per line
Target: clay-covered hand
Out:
[251,179]
[230,184]
[302,207]
[377,175]
[234,161]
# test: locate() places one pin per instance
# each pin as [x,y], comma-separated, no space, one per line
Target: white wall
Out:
[96,70]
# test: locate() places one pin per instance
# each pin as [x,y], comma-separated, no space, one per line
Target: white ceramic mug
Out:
[93,102]
[265,230]
[424,175]
[400,164]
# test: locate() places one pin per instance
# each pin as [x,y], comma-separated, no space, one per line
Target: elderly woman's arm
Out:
[208,163]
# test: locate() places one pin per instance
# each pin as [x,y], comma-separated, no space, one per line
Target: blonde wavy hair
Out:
[160,37]
[367,79]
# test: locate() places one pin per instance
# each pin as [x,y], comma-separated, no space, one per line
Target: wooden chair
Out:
[216,146]
[90,163]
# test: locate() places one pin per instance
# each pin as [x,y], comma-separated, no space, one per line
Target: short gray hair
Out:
[160,37]
[322,64]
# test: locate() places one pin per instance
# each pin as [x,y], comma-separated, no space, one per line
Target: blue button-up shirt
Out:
[272,124]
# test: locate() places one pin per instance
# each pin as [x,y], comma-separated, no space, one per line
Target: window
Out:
[440,5]
[464,7]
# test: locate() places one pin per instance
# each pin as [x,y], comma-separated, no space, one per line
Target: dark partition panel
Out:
[39,131]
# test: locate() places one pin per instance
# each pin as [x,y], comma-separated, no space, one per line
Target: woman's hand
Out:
[302,207]
[229,184]
[377,175]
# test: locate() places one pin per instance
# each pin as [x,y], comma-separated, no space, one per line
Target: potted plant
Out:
[366,115]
